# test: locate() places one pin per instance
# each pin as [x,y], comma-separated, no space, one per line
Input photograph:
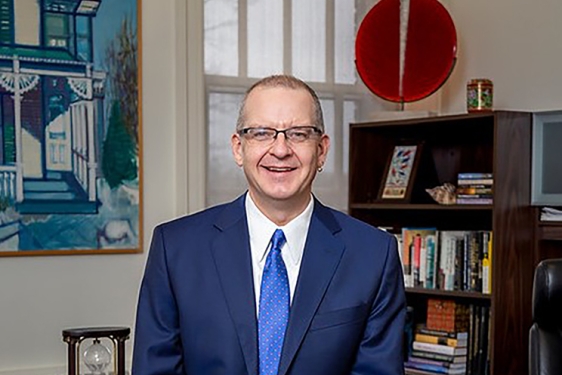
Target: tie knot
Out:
[277,240]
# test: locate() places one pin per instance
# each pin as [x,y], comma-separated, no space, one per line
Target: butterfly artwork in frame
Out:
[400,172]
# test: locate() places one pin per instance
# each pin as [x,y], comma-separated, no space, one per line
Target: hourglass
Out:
[97,357]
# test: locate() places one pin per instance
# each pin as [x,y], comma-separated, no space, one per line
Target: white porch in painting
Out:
[69,142]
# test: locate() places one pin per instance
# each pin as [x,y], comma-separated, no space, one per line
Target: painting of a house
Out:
[69,126]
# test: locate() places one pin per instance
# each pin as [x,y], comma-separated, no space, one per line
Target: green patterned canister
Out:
[479,95]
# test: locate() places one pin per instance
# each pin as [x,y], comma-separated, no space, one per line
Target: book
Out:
[436,362]
[439,357]
[434,368]
[476,182]
[487,264]
[440,349]
[474,190]
[475,201]
[453,335]
[459,343]
[413,371]
[474,175]
[474,242]
[431,261]
[475,196]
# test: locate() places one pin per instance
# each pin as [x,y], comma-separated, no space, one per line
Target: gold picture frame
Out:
[400,173]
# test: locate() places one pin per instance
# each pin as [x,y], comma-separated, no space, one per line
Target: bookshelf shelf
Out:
[551,231]
[550,224]
[496,142]
[415,207]
[450,294]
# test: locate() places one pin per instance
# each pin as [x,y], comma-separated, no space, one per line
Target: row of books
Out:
[446,260]
[454,352]
[474,188]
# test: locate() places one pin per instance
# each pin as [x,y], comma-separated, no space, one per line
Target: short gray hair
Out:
[285,81]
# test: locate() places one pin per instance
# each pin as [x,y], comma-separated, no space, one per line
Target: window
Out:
[84,38]
[57,31]
[249,39]
[6,21]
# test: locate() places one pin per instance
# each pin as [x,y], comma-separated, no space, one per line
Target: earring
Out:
[320,169]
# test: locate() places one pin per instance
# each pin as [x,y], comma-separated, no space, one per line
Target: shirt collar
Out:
[261,230]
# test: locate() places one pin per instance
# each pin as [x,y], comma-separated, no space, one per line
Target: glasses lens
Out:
[298,134]
[261,134]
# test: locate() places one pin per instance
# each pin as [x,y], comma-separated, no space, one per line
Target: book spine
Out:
[438,357]
[440,349]
[450,265]
[417,259]
[427,367]
[434,332]
[466,262]
[474,261]
[487,264]
[407,258]
[430,277]
[475,201]
[474,196]
[447,364]
[423,262]
[474,175]
[459,245]
[438,340]
[476,182]
[473,190]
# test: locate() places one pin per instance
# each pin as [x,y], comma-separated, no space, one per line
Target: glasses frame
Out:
[245,131]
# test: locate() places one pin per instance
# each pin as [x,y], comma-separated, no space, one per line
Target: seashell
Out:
[443,194]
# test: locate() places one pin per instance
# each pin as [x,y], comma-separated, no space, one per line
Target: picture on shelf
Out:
[399,172]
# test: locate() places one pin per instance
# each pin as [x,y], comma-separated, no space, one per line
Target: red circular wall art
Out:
[429,51]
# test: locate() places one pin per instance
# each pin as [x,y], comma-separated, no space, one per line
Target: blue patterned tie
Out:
[274,307]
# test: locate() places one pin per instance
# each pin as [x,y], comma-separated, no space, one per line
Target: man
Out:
[273,282]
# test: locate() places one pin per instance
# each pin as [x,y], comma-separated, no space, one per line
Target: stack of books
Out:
[437,352]
[474,188]
[447,315]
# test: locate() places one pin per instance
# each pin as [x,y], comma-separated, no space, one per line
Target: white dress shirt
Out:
[261,230]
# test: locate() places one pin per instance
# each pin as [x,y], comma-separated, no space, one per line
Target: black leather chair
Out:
[545,336]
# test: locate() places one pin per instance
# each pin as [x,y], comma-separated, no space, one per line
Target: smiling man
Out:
[274,282]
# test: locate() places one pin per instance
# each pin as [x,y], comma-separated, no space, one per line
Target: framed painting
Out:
[70,127]
[400,172]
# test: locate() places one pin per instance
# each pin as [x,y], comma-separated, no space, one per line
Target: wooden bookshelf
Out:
[496,142]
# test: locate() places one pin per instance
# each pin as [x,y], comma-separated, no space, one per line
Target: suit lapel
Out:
[231,252]
[321,257]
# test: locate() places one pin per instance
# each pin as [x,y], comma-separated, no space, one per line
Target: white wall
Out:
[515,43]
[40,296]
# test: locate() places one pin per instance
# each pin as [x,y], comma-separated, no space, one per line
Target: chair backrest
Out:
[545,336]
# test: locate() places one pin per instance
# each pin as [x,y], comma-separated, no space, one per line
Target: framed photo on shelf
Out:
[400,173]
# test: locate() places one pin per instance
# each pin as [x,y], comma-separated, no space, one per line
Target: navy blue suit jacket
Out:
[197,312]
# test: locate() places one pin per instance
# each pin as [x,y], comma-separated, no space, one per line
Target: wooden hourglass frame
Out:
[75,336]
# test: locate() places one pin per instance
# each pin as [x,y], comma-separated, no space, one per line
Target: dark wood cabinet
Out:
[496,142]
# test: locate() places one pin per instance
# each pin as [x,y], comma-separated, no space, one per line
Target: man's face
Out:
[280,170]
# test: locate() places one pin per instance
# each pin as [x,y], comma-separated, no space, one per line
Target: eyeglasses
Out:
[297,134]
